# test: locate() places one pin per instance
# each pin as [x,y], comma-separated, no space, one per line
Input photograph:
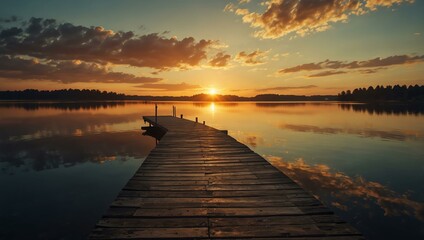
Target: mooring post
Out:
[181,116]
[203,122]
[156,113]
[196,119]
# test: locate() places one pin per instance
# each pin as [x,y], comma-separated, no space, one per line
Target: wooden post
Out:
[181,116]
[196,119]
[203,122]
[156,113]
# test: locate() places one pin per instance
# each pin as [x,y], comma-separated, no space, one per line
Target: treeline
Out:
[63,94]
[380,93]
[235,98]
[370,94]
[96,95]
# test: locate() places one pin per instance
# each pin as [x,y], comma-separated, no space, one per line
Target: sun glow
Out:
[212,91]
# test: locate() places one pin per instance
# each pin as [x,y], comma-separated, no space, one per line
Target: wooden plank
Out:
[148,233]
[255,211]
[201,183]
[304,230]
[171,212]
[153,222]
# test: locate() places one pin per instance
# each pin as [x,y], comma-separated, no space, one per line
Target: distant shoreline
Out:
[378,95]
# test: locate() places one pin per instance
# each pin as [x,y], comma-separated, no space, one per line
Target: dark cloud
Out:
[367,66]
[301,17]
[48,39]
[169,86]
[254,58]
[220,60]
[10,19]
[285,88]
[66,71]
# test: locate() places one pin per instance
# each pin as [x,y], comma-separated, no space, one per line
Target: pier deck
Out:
[201,183]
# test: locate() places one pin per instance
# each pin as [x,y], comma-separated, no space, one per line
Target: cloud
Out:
[373,4]
[48,39]
[254,58]
[230,7]
[220,60]
[283,17]
[66,71]
[327,73]
[10,19]
[366,66]
[169,86]
[285,88]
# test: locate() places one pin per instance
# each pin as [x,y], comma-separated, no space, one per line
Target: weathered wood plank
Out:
[148,233]
[201,183]
[153,222]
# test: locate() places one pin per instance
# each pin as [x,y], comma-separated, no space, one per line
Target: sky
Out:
[186,47]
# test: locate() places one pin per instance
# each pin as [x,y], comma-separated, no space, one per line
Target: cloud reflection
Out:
[389,135]
[56,151]
[18,128]
[347,191]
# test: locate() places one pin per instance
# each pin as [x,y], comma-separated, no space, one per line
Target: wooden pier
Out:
[201,183]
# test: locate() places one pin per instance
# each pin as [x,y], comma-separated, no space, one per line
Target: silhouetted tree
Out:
[63,94]
[380,93]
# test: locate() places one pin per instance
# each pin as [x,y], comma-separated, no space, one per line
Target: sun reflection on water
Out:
[212,108]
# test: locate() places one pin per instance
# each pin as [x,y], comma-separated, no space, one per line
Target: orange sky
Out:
[236,47]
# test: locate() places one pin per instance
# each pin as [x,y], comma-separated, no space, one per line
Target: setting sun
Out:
[212,91]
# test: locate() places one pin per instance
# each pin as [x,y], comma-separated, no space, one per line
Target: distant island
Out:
[378,94]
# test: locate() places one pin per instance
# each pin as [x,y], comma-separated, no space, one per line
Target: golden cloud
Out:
[168,86]
[365,66]
[220,60]
[254,58]
[283,17]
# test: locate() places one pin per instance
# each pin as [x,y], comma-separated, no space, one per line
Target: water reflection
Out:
[71,106]
[59,147]
[356,195]
[389,135]
[53,152]
[342,187]
[388,109]
[34,127]
[206,104]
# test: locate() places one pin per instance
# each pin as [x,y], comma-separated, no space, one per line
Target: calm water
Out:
[61,164]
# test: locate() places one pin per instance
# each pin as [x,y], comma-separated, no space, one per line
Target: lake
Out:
[62,164]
